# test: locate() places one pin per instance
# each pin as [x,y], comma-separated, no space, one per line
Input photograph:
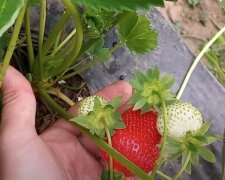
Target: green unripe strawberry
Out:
[87,104]
[183,117]
[97,115]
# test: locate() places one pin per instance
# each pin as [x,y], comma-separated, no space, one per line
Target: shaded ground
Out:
[195,24]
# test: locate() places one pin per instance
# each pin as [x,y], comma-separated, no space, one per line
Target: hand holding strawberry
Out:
[136,134]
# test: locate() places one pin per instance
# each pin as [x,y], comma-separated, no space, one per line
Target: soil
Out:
[195,24]
[77,90]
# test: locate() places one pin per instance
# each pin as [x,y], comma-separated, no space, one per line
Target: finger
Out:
[119,88]
[19,105]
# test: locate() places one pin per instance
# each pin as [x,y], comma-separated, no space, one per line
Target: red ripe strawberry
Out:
[138,141]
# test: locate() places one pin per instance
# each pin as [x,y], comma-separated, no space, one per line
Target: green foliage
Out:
[151,90]
[215,56]
[118,5]
[136,32]
[4,41]
[97,22]
[9,10]
[98,51]
[101,116]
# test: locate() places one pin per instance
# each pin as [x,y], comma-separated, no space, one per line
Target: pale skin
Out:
[60,152]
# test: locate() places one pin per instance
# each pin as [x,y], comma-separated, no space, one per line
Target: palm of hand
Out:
[60,153]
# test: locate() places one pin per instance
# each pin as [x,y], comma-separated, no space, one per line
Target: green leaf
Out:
[9,10]
[139,104]
[4,41]
[99,52]
[207,155]
[118,5]
[136,32]
[97,22]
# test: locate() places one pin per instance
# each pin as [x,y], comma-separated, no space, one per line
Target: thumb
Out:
[19,105]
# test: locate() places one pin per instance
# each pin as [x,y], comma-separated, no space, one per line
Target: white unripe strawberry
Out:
[87,104]
[182,117]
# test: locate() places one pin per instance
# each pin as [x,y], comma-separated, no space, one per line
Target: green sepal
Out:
[116,102]
[207,155]
[173,146]
[150,90]
[137,33]
[205,127]
[188,168]
[140,104]
[195,158]
[100,115]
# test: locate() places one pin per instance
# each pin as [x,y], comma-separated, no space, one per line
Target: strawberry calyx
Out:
[150,90]
[96,114]
[193,146]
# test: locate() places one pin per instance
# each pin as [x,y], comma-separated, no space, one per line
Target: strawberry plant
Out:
[157,130]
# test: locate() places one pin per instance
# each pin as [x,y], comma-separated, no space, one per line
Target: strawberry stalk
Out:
[59,94]
[12,43]
[196,61]
[110,157]
[161,174]
[163,147]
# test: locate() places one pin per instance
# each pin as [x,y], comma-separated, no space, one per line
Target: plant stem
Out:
[163,146]
[29,39]
[196,61]
[100,143]
[59,94]
[57,42]
[110,157]
[56,31]
[78,40]
[87,66]
[163,175]
[64,42]
[182,169]
[82,69]
[12,43]
[42,22]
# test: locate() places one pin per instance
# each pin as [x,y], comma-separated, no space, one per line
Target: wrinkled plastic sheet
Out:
[173,57]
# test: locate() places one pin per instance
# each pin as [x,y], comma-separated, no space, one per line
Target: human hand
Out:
[60,152]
